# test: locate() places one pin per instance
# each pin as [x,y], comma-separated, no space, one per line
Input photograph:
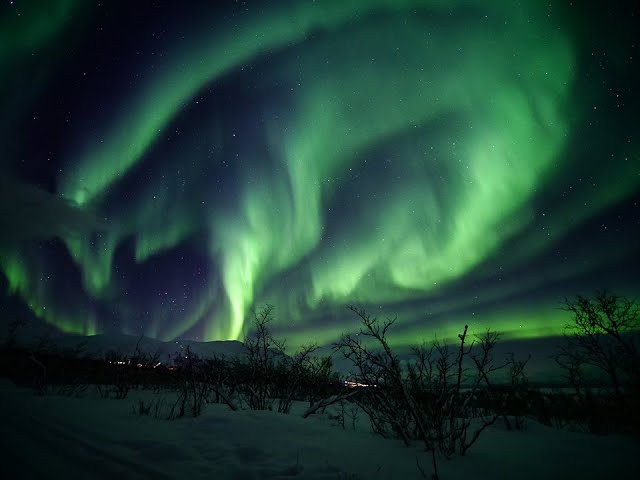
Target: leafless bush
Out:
[516,395]
[301,375]
[126,372]
[221,380]
[191,386]
[432,399]
[572,367]
[271,379]
[321,404]
[319,379]
[156,408]
[346,413]
[603,335]
[262,353]
[603,338]
[75,389]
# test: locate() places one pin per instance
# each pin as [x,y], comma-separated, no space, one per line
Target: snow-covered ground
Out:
[83,438]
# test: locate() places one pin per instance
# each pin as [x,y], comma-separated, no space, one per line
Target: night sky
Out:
[167,166]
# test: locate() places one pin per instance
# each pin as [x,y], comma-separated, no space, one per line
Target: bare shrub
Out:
[432,399]
[154,408]
[271,379]
[262,351]
[602,341]
[604,335]
[220,377]
[517,394]
[190,385]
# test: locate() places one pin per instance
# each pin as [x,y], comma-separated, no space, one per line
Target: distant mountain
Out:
[540,369]
[98,346]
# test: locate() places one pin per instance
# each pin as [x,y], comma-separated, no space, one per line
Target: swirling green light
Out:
[413,143]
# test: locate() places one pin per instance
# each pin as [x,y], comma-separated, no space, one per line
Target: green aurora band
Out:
[462,110]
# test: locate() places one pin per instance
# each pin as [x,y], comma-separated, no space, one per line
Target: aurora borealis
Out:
[166,168]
